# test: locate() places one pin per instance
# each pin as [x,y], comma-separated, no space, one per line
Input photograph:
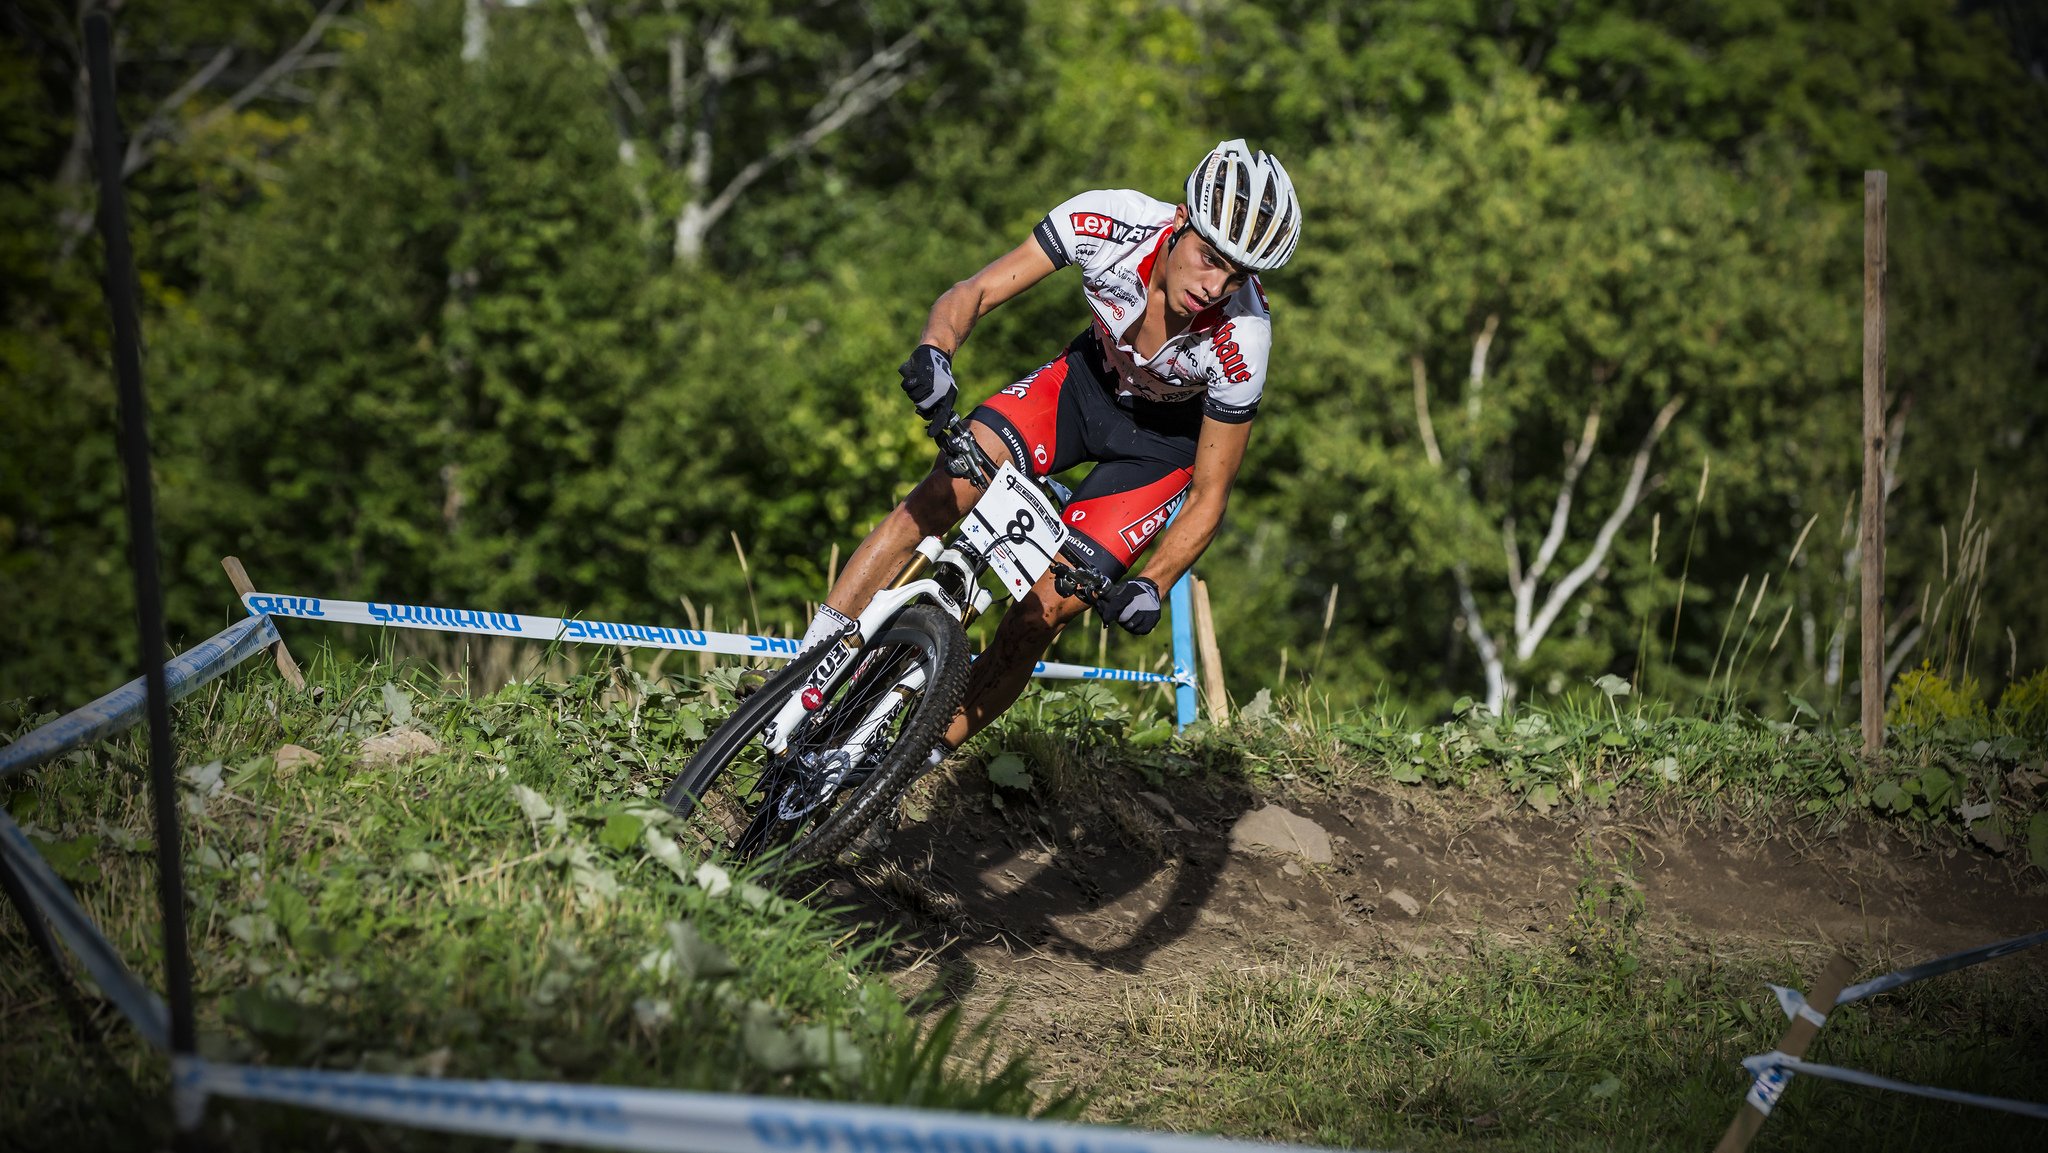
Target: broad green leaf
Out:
[289,909]
[396,705]
[1009,771]
[1890,797]
[713,879]
[1935,787]
[73,859]
[1612,685]
[2037,840]
[620,831]
[771,1045]
[697,958]
[1152,736]
[662,847]
[539,811]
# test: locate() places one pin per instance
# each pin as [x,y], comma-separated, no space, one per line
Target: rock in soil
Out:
[397,747]
[1278,830]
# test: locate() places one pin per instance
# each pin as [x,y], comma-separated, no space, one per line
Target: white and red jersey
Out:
[1115,235]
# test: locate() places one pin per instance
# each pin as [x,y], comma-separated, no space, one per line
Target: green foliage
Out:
[2023,707]
[1603,927]
[418,328]
[1923,698]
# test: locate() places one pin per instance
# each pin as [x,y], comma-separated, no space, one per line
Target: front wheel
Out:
[856,753]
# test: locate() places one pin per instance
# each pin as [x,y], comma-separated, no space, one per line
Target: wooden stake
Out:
[1870,548]
[1798,1038]
[1212,659]
[239,577]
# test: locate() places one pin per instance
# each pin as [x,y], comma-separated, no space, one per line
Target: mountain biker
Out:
[1159,391]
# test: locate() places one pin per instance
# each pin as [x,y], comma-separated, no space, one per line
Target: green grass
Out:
[1595,750]
[1535,1050]
[511,905]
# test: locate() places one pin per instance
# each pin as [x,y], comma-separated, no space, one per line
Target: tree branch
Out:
[1422,421]
[1478,371]
[852,98]
[159,122]
[1482,642]
[281,66]
[1562,592]
[1560,515]
[1514,550]
[600,50]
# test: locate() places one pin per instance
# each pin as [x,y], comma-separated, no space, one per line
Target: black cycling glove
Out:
[928,379]
[1133,604]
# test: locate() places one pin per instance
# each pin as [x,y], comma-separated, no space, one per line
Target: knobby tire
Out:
[735,732]
[921,631]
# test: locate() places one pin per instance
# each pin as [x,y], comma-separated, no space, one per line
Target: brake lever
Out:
[1086,584]
[956,445]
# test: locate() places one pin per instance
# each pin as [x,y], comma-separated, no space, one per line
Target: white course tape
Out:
[1793,1002]
[672,1121]
[588,632]
[1779,1064]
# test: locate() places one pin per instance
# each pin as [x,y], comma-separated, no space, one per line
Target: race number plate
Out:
[1017,527]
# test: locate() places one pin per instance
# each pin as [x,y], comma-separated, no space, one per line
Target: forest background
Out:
[534,307]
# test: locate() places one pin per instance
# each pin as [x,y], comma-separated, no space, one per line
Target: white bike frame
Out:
[871,623]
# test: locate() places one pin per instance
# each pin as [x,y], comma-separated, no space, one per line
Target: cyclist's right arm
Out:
[1007,275]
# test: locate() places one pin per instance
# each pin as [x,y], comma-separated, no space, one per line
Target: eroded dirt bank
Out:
[1071,915]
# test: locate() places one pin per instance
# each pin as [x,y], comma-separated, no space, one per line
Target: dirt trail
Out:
[1063,914]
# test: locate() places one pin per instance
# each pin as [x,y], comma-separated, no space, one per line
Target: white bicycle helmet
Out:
[1242,202]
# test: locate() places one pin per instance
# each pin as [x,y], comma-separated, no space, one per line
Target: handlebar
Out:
[967,460]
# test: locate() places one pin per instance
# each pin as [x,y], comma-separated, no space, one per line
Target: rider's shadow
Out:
[1106,870]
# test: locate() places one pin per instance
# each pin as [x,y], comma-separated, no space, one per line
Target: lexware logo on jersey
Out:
[1109,227]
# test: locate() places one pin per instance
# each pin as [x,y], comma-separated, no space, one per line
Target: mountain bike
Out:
[829,743]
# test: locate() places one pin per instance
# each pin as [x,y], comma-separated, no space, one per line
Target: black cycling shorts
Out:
[1067,413]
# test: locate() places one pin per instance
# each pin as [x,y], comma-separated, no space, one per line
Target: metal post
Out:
[1181,602]
[149,608]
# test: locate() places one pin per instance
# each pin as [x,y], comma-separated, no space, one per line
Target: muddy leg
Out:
[999,675]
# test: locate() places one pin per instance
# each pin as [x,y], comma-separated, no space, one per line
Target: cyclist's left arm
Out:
[1218,453]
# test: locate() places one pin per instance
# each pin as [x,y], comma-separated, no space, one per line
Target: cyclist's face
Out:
[1198,276]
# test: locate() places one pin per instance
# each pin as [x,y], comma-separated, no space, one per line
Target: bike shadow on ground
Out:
[1106,873]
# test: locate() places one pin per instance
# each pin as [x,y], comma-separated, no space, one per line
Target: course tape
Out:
[135,1001]
[663,1120]
[1793,1002]
[123,707]
[1940,965]
[582,631]
[1775,1063]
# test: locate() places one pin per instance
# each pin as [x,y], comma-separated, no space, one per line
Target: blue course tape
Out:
[673,1121]
[123,707]
[135,1000]
[1774,1062]
[526,627]
[1793,1002]
[1940,965]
